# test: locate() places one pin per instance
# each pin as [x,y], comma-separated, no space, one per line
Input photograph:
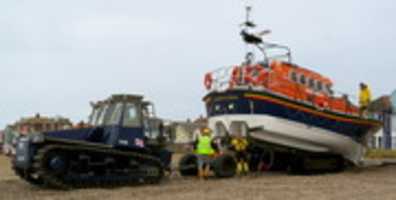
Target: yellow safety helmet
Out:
[206,131]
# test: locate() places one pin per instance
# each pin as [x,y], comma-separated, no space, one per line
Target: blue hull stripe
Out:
[237,102]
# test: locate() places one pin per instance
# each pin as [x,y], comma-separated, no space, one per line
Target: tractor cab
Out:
[118,110]
[126,121]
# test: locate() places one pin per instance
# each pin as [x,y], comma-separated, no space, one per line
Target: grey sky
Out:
[56,56]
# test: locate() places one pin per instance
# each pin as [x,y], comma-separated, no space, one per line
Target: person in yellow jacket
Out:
[240,144]
[364,98]
[204,150]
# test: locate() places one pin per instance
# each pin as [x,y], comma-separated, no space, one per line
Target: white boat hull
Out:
[290,134]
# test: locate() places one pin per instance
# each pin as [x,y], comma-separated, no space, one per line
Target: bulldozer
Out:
[124,143]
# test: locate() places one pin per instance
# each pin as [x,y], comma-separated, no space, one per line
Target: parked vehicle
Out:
[123,144]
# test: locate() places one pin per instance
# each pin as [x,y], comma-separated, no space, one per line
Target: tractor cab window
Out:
[148,110]
[131,115]
[115,114]
[152,128]
[101,116]
[94,116]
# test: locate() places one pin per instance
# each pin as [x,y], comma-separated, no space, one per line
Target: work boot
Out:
[201,174]
[245,167]
[239,168]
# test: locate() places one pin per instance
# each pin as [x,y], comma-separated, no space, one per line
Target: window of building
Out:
[393,142]
[379,142]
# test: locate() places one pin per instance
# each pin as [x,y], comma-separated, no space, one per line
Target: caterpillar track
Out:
[59,166]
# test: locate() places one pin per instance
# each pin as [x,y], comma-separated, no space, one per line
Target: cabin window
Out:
[217,108]
[329,89]
[293,76]
[303,80]
[116,114]
[231,107]
[311,83]
[102,116]
[131,115]
[319,86]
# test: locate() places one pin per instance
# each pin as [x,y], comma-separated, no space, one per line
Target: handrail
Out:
[264,46]
[221,78]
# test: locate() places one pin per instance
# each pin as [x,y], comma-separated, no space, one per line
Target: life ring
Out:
[235,77]
[255,75]
[208,81]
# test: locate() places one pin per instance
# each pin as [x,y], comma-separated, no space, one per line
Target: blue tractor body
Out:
[122,136]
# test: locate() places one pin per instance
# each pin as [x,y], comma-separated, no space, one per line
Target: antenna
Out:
[248,10]
[251,37]
[248,23]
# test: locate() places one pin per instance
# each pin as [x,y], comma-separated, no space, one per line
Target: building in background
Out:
[385,107]
[380,141]
[39,123]
[183,133]
[28,125]
[9,137]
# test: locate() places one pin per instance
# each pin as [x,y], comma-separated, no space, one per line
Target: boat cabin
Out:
[287,80]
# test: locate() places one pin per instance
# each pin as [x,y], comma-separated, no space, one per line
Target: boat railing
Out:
[272,51]
[221,78]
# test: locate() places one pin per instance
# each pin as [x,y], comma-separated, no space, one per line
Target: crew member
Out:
[240,144]
[364,98]
[204,151]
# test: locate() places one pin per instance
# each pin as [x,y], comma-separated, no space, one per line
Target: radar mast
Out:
[253,38]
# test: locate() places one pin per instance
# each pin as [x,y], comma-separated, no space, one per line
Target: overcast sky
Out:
[56,56]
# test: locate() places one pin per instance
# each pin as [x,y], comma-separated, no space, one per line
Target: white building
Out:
[378,140]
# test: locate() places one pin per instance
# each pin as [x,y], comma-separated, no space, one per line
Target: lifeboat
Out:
[285,106]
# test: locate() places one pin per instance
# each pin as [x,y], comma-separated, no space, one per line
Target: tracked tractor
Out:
[123,144]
